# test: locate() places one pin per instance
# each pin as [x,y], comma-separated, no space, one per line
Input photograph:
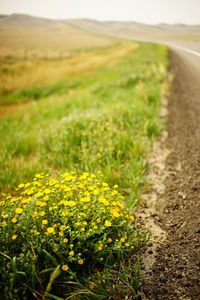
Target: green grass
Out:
[38,92]
[103,121]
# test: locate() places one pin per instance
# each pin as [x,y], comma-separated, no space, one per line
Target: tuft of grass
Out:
[75,223]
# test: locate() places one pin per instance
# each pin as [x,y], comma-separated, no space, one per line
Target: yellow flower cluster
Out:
[76,215]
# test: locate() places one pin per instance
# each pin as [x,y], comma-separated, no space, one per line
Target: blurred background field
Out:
[20,75]
[29,37]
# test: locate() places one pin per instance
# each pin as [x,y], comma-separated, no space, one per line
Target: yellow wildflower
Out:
[96,192]
[24,201]
[46,198]
[61,202]
[122,240]
[37,183]
[35,214]
[80,261]
[47,191]
[114,193]
[50,230]
[4,223]
[85,200]
[14,237]
[42,213]
[107,223]
[100,247]
[114,212]
[39,176]
[38,195]
[38,203]
[65,268]
[92,285]
[44,222]
[65,240]
[18,210]
[21,185]
[14,220]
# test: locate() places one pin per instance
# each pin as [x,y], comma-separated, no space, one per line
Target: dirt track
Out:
[176,271]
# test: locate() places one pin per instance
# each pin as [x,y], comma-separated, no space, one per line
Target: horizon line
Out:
[97,20]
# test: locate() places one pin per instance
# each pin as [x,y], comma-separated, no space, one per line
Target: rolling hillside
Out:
[139,30]
[22,35]
[179,33]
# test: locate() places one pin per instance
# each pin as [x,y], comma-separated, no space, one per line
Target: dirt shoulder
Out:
[176,271]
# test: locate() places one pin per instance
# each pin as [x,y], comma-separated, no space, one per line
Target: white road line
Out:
[184,49]
[175,46]
[190,51]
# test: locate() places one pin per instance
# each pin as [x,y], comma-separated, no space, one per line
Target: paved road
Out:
[175,274]
[176,271]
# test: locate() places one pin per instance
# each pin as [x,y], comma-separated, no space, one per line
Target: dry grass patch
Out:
[33,72]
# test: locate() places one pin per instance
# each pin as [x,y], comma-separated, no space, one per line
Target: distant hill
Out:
[138,30]
[26,35]
[3,16]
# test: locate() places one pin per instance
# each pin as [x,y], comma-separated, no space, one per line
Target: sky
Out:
[144,11]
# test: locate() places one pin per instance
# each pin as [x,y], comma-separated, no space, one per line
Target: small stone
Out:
[185,283]
[164,290]
[181,195]
[179,276]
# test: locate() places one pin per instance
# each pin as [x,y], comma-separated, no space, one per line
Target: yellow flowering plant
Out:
[75,220]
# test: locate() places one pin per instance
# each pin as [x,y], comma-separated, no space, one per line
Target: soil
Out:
[175,273]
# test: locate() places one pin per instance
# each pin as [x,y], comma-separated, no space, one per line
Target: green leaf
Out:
[52,258]
[6,256]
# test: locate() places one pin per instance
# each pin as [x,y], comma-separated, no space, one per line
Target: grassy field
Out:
[29,37]
[22,80]
[96,112]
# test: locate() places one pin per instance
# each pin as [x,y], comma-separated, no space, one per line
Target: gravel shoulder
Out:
[176,271]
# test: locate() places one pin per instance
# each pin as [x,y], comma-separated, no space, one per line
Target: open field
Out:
[81,127]
[78,103]
[25,37]
[22,80]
